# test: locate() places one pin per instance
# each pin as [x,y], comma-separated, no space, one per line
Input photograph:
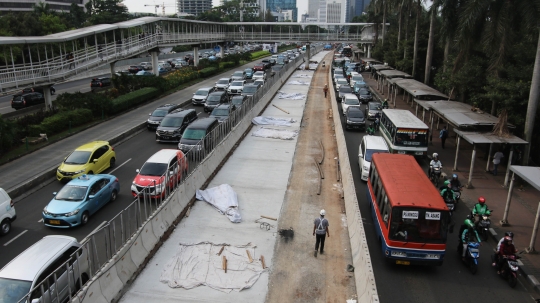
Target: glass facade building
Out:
[281,5]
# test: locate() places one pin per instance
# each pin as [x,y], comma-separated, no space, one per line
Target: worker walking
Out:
[325,89]
[320,231]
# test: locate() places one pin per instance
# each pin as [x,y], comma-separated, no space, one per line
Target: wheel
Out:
[112,162]
[436,181]
[474,267]
[114,195]
[5,227]
[512,281]
[84,218]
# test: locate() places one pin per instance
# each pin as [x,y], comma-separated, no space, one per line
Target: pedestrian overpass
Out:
[43,61]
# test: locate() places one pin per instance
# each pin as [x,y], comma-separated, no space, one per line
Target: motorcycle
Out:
[457,193]
[482,228]
[436,175]
[471,256]
[451,204]
[509,270]
[323,64]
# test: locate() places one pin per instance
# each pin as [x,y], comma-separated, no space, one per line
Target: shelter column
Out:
[221,47]
[308,53]
[508,167]
[369,51]
[469,182]
[504,220]
[112,67]
[457,152]
[155,67]
[431,128]
[47,96]
[196,55]
[489,156]
[531,249]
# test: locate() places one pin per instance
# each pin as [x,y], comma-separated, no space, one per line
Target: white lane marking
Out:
[199,113]
[40,220]
[5,107]
[15,238]
[112,171]
[95,229]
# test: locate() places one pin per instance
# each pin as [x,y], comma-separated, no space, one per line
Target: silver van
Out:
[370,145]
[7,212]
[39,274]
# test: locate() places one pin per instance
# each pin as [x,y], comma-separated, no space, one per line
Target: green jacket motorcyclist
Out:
[447,193]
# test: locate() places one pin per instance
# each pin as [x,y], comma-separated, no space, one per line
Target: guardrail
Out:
[111,256]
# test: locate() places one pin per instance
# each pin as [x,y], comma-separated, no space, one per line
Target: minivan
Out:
[7,212]
[37,265]
[194,133]
[173,125]
[370,145]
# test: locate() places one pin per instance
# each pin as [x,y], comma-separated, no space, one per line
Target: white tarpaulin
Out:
[262,120]
[297,82]
[224,199]
[198,264]
[292,96]
[301,76]
[282,134]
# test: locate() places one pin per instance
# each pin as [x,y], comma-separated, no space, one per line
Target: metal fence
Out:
[98,248]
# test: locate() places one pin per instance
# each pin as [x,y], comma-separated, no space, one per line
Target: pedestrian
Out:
[320,231]
[377,120]
[443,135]
[325,89]
[496,161]
[71,61]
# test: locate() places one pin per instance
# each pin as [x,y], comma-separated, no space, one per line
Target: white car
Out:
[259,75]
[222,84]
[340,82]
[199,97]
[356,77]
[259,82]
[146,65]
[165,65]
[236,87]
[7,212]
[349,100]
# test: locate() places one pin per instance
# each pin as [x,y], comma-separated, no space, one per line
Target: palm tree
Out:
[429,55]
[416,30]
[449,23]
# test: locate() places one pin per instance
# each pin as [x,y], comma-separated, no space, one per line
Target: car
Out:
[365,95]
[238,100]
[272,61]
[123,72]
[172,126]
[90,158]
[195,138]
[249,73]
[37,90]
[215,99]
[349,100]
[238,75]
[101,82]
[199,97]
[37,268]
[26,99]
[157,115]
[222,84]
[259,75]
[259,82]
[276,68]
[354,118]
[358,85]
[135,69]
[165,65]
[160,174]
[145,73]
[258,67]
[250,90]
[222,112]
[372,109]
[79,199]
[267,63]
[7,212]
[236,87]
[344,89]
[337,77]
[341,82]
[146,65]
[356,77]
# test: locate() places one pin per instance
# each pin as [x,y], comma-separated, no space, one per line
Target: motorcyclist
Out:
[385,104]
[480,209]
[496,254]
[447,193]
[434,163]
[370,130]
[456,185]
[506,249]
[469,234]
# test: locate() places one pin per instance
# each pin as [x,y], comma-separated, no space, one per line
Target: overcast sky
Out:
[137,6]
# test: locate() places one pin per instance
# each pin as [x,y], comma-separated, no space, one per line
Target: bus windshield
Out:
[411,137]
[418,225]
[347,52]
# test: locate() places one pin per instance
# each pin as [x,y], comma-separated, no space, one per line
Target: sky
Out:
[137,6]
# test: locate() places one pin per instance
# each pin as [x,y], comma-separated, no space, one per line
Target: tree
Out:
[419,11]
[429,55]
[106,11]
[51,24]
[76,17]
[42,8]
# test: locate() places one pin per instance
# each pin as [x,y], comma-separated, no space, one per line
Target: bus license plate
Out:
[401,152]
[55,222]
[403,262]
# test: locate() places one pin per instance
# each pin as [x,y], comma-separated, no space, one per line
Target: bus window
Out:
[386,212]
[382,203]
[418,225]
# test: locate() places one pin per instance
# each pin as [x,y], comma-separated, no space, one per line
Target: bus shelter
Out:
[388,74]
[417,90]
[532,176]
[375,68]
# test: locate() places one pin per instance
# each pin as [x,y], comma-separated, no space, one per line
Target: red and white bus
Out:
[411,219]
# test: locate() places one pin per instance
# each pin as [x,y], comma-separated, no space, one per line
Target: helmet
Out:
[446,182]
[481,200]
[323,212]
[435,155]
[454,176]
[507,239]
[509,234]
[385,99]
[468,223]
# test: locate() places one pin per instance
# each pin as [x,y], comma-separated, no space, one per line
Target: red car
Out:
[259,67]
[160,174]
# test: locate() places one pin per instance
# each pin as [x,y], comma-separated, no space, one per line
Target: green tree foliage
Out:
[106,12]
[51,24]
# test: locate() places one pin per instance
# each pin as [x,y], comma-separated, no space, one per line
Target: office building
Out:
[28,5]
[194,7]
[313,8]
[357,7]
[322,11]
[334,12]
[282,5]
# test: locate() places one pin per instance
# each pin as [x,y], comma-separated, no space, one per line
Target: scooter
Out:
[436,175]
[451,204]
[471,256]
[457,193]
[509,270]
[323,64]
[483,225]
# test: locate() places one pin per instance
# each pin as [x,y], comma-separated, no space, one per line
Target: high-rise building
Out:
[357,7]
[194,7]
[334,12]
[322,11]
[313,8]
[28,5]
[280,5]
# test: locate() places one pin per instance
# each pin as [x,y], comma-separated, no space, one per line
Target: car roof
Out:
[202,123]
[375,142]
[91,146]
[250,85]
[204,88]
[180,113]
[166,106]
[354,108]
[163,156]
[29,264]
[227,106]
[86,180]
[220,93]
[348,95]
[224,79]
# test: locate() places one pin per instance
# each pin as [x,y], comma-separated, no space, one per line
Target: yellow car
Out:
[90,158]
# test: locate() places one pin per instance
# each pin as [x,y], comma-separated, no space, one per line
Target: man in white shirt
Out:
[496,161]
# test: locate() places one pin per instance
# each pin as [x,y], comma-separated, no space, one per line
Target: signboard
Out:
[409,214]
[217,48]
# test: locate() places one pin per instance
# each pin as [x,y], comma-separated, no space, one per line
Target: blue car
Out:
[79,199]
[249,73]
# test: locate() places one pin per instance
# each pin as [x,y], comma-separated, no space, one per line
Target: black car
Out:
[354,118]
[344,89]
[267,63]
[135,69]
[26,99]
[173,125]
[239,100]
[37,90]
[157,115]
[214,99]
[100,82]
[222,112]
[195,138]
[250,90]
[364,95]
[272,62]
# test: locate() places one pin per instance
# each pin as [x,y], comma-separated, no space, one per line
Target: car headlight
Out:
[45,211]
[73,213]
[80,171]
[349,121]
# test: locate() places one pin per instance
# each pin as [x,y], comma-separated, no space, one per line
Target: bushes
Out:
[259,54]
[180,77]
[8,135]
[128,100]
[126,84]
[224,65]
[96,102]
[209,71]
[62,121]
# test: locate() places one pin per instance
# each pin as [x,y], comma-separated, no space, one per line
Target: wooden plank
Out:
[224,261]
[249,256]
[266,217]
[262,262]
[221,250]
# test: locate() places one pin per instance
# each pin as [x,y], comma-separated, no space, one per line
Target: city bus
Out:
[347,51]
[410,217]
[404,132]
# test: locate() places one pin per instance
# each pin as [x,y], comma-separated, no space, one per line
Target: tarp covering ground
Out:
[262,120]
[224,198]
[273,133]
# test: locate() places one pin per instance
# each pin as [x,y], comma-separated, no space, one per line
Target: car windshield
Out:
[341,81]
[259,74]
[159,113]
[153,169]
[171,122]
[78,157]
[12,291]
[72,193]
[214,98]
[374,106]
[194,134]
[370,152]
[250,89]
[237,83]
[418,225]
[345,89]
[249,70]
[358,78]
[224,81]
[363,92]
[352,101]
[355,114]
[220,112]
[238,74]
[237,101]
[202,92]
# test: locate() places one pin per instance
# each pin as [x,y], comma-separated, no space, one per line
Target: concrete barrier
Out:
[92,293]
[110,282]
[125,267]
[366,288]
[137,249]
[148,237]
